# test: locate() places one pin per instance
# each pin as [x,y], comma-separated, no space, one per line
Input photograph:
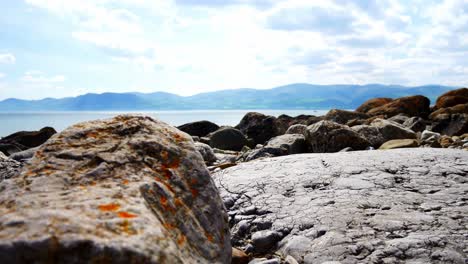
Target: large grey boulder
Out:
[258,127]
[8,167]
[371,134]
[393,206]
[328,136]
[228,138]
[297,129]
[124,190]
[392,130]
[293,143]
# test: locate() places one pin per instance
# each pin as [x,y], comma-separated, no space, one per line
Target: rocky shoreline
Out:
[386,183]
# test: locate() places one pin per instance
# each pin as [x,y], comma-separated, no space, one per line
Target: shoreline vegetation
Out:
[206,193]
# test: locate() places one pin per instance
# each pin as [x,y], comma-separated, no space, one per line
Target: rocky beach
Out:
[386,183]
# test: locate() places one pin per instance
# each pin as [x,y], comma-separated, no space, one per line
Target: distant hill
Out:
[293,96]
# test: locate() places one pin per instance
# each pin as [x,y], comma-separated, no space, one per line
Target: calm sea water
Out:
[13,122]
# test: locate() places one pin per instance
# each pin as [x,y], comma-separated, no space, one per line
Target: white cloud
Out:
[7,58]
[38,77]
[2,75]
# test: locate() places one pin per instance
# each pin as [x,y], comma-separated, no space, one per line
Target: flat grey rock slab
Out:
[390,206]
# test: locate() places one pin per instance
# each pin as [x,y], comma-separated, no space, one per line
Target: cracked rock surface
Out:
[393,206]
[124,190]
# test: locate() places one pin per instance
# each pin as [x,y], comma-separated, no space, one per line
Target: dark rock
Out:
[415,123]
[24,155]
[297,129]
[283,122]
[206,151]
[124,190]
[29,139]
[227,138]
[452,98]
[392,130]
[258,127]
[417,105]
[293,143]
[451,120]
[11,148]
[328,136]
[265,240]
[239,257]
[373,103]
[344,116]
[199,128]
[371,134]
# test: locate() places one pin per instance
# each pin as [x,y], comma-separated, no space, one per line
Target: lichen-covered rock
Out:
[416,105]
[394,206]
[328,136]
[228,138]
[124,190]
[8,167]
[373,103]
[452,98]
[343,116]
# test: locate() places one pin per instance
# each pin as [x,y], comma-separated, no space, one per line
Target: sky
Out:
[59,48]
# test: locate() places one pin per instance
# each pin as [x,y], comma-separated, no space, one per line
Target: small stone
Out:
[265,240]
[239,256]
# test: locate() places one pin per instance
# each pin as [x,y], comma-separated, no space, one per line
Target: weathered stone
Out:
[373,103]
[8,168]
[265,240]
[392,130]
[29,139]
[283,122]
[293,143]
[265,152]
[371,134]
[400,143]
[451,121]
[124,190]
[227,138]
[328,136]
[199,128]
[206,151]
[297,129]
[452,98]
[24,155]
[427,135]
[415,123]
[400,119]
[343,116]
[417,105]
[402,205]
[258,127]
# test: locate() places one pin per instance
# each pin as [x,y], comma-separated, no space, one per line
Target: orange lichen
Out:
[194,192]
[209,237]
[126,227]
[178,202]
[112,207]
[125,182]
[169,226]
[181,240]
[193,181]
[126,215]
[165,184]
[92,134]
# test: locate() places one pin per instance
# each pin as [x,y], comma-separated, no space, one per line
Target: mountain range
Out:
[293,96]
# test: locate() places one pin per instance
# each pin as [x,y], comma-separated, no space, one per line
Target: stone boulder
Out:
[400,143]
[373,103]
[228,138]
[344,116]
[451,120]
[206,151]
[283,122]
[293,143]
[199,128]
[297,129]
[394,206]
[392,130]
[8,168]
[400,119]
[417,105]
[452,98]
[328,136]
[124,190]
[415,123]
[258,127]
[264,152]
[371,134]
[24,155]
[29,139]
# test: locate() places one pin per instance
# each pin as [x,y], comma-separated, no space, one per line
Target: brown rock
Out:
[239,256]
[445,141]
[124,190]
[452,98]
[373,103]
[400,143]
[451,120]
[416,105]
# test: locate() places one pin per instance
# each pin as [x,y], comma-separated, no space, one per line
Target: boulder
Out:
[415,123]
[293,143]
[283,122]
[124,190]
[400,143]
[29,139]
[371,134]
[206,151]
[297,129]
[227,138]
[328,136]
[417,105]
[344,116]
[392,130]
[427,135]
[239,257]
[393,206]
[373,103]
[24,155]
[258,127]
[265,152]
[8,168]
[452,98]
[451,120]
[11,148]
[199,128]
[400,119]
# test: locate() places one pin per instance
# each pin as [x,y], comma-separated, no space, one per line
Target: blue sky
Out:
[58,48]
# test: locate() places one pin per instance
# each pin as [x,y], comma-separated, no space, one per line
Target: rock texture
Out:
[199,128]
[373,103]
[124,190]
[344,116]
[293,143]
[328,136]
[451,120]
[8,167]
[393,206]
[392,130]
[417,105]
[452,98]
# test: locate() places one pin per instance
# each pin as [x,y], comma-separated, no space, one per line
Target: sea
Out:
[29,121]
